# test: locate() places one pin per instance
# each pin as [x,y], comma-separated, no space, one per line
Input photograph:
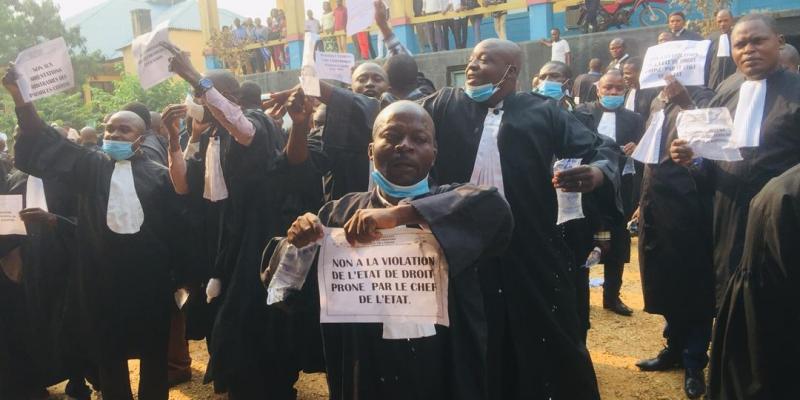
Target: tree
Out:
[128,89]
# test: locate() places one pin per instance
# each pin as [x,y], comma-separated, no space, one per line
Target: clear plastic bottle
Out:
[594,258]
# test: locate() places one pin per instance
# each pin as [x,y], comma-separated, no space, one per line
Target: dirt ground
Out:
[615,343]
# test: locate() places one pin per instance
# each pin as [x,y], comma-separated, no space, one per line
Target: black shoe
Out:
[694,383]
[618,307]
[666,359]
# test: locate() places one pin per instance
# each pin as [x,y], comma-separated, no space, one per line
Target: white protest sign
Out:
[648,150]
[44,70]
[684,59]
[709,133]
[152,60]
[402,277]
[337,66]
[10,222]
[308,72]
[360,15]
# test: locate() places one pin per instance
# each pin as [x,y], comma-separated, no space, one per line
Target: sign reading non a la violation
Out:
[44,70]
[402,277]
[683,59]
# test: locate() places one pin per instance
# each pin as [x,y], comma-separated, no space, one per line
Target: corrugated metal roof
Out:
[107,26]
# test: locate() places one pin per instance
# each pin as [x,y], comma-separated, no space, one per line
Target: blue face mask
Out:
[612,102]
[397,191]
[483,92]
[118,150]
[551,89]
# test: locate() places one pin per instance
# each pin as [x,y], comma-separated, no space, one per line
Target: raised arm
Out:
[300,109]
[382,21]
[171,117]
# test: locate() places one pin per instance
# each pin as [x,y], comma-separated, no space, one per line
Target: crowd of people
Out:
[166,231]
[251,31]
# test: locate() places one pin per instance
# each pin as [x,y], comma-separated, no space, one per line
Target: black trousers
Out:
[153,383]
[690,337]
[612,280]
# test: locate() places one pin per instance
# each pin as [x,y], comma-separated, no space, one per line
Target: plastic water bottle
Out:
[594,258]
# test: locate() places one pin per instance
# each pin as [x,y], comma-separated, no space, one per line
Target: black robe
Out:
[674,236]
[533,293]
[34,344]
[686,34]
[346,136]
[155,147]
[755,348]
[718,68]
[583,86]
[736,183]
[126,281]
[245,340]
[473,226]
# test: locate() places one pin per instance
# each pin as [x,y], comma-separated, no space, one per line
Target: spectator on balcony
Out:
[312,25]
[435,34]
[340,25]
[499,18]
[423,30]
[329,42]
[259,57]
[277,31]
[457,25]
[559,47]
[239,31]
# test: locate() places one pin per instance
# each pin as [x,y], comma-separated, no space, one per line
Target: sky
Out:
[248,8]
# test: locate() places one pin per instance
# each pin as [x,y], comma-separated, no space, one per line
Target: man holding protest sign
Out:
[414,360]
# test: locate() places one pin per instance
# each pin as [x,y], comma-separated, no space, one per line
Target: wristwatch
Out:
[203,86]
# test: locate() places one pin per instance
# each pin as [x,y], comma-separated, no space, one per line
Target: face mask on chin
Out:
[482,93]
[397,191]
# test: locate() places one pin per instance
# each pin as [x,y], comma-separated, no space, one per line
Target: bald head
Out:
[617,48]
[370,80]
[789,57]
[88,136]
[506,50]
[130,118]
[496,62]
[595,65]
[555,71]
[611,84]
[403,146]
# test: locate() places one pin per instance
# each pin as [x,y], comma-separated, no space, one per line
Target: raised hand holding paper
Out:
[152,59]
[10,222]
[709,133]
[44,70]
[683,59]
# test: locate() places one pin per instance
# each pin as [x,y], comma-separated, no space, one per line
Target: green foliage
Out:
[128,89]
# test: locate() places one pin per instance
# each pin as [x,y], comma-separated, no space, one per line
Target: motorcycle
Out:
[618,13]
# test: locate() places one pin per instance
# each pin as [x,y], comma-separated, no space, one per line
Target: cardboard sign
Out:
[152,60]
[400,278]
[44,70]
[684,59]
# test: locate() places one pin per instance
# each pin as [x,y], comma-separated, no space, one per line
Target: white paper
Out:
[400,278]
[570,204]
[10,222]
[709,133]
[34,193]
[181,295]
[44,70]
[337,66]
[152,60]
[214,188]
[684,59]
[360,15]
[649,147]
[308,72]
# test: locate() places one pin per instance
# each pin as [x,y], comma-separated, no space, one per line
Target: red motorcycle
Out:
[619,12]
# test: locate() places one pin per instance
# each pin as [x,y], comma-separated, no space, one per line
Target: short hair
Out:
[678,13]
[724,10]
[141,110]
[635,61]
[250,93]
[565,69]
[401,71]
[766,19]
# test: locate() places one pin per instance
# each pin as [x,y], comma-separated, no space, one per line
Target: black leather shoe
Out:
[618,307]
[666,359]
[694,383]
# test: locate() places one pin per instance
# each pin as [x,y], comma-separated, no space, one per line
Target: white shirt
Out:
[630,102]
[724,46]
[608,125]
[559,51]
[487,170]
[434,6]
